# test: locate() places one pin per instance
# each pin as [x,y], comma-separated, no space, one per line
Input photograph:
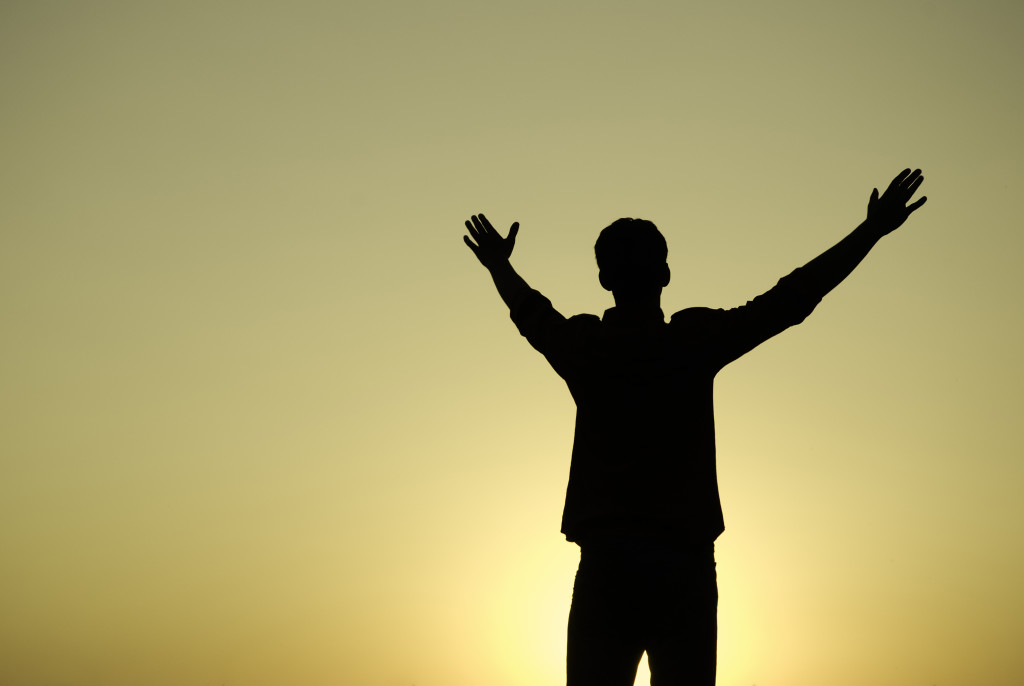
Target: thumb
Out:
[510,242]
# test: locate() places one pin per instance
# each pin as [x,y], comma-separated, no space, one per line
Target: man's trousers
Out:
[633,595]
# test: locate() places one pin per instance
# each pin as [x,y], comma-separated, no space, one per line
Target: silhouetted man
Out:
[642,500]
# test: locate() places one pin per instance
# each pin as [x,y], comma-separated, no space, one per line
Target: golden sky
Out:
[264,421]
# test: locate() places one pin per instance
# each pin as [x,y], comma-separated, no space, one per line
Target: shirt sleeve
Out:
[557,338]
[730,334]
[537,319]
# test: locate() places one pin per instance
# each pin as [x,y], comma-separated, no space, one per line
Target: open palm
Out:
[489,247]
[890,210]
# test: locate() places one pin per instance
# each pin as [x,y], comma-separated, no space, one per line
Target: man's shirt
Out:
[643,458]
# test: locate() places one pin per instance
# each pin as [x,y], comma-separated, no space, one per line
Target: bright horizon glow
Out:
[265,422]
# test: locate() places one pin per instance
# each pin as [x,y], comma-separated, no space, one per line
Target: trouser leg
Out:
[604,648]
[687,658]
[682,644]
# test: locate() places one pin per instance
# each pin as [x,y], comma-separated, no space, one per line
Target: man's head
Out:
[632,258]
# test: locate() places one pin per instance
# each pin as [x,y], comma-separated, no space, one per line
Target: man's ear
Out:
[606,282]
[666,275]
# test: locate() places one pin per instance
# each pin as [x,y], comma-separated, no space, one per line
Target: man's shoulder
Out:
[585,319]
[699,323]
[696,316]
[583,325]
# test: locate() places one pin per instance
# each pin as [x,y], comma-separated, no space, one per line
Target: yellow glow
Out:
[264,421]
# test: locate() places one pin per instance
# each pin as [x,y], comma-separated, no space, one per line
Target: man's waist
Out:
[597,534]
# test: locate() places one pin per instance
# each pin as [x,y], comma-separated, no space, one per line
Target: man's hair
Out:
[630,253]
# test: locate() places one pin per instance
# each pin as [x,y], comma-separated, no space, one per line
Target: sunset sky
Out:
[265,422]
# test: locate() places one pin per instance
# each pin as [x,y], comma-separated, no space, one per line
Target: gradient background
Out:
[265,422]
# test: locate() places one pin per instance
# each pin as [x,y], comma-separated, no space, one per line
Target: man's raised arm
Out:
[886,213]
[796,295]
[493,252]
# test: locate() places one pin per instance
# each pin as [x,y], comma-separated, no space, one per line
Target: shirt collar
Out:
[633,316]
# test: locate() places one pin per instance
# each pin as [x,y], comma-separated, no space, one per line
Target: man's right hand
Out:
[490,248]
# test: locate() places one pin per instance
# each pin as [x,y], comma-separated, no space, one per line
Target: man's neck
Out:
[650,300]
